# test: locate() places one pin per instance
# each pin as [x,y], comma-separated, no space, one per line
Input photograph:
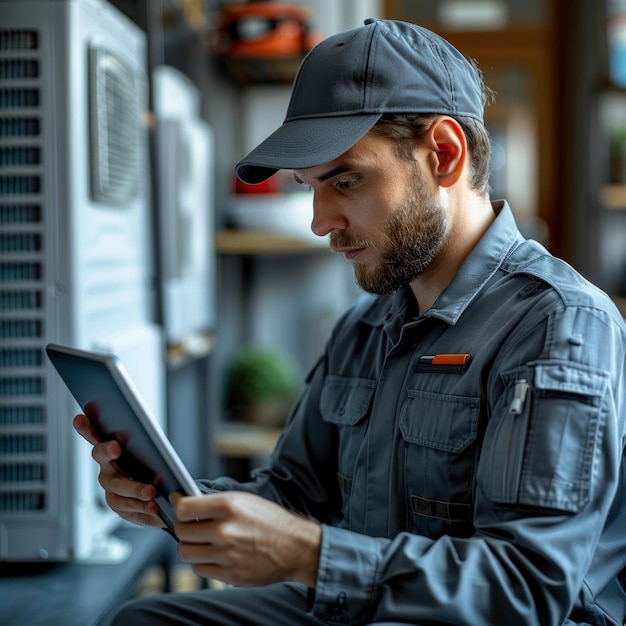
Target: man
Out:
[457,456]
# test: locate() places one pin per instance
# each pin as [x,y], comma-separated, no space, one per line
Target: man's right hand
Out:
[131,500]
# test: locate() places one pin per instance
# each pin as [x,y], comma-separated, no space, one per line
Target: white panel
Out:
[175,95]
[185,156]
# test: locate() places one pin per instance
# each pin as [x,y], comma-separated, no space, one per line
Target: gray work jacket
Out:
[467,463]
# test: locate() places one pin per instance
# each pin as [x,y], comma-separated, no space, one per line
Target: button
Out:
[576,340]
[530,289]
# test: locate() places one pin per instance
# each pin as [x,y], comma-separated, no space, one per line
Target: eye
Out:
[346,183]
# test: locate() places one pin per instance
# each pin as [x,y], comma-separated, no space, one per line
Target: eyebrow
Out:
[323,177]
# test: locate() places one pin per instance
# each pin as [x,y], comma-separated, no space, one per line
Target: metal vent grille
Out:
[18,98]
[24,445]
[18,69]
[22,472]
[16,415]
[114,109]
[14,39]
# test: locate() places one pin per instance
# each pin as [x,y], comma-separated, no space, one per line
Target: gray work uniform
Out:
[467,463]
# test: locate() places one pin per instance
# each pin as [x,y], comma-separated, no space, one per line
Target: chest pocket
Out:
[438,432]
[346,402]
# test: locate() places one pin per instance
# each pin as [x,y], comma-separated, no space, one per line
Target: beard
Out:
[413,235]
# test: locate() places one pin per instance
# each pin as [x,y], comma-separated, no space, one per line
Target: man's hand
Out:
[131,500]
[245,540]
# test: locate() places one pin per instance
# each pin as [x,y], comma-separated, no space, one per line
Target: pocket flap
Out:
[439,421]
[346,400]
[570,378]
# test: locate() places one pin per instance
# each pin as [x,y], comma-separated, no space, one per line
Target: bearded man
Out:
[457,455]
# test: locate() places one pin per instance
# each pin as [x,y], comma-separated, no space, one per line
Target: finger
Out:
[206,507]
[142,513]
[125,487]
[185,510]
[83,427]
[188,518]
[196,525]
[150,520]
[200,532]
[206,554]
[126,506]
[105,452]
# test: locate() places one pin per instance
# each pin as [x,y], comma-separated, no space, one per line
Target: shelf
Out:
[233,241]
[195,347]
[613,196]
[246,71]
[245,441]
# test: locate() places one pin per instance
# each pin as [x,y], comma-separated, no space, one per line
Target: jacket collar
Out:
[484,260]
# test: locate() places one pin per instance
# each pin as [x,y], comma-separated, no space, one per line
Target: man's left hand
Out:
[245,540]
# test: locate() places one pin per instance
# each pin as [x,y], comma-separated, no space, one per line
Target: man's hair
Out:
[408,128]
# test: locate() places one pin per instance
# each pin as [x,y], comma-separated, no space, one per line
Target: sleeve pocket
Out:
[544,455]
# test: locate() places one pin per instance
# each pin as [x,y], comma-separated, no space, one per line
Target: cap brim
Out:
[302,143]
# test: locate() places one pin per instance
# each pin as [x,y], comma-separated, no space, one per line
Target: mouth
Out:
[350,253]
[351,247]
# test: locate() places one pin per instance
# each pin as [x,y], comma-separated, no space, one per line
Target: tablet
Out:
[108,397]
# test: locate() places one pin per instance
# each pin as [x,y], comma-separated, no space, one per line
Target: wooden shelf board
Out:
[613,196]
[232,241]
[246,71]
[245,440]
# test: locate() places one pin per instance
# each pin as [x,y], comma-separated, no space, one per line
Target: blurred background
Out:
[122,227]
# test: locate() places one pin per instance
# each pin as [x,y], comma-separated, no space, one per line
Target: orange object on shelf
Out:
[266,30]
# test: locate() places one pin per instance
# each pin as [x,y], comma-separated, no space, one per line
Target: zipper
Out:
[513,440]
[519,396]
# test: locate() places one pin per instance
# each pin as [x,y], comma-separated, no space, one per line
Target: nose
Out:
[327,216]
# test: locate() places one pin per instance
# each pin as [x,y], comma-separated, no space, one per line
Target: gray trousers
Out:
[274,605]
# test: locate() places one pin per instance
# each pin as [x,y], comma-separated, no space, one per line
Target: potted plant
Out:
[261,384]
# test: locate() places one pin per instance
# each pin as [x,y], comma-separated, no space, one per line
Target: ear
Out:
[449,150]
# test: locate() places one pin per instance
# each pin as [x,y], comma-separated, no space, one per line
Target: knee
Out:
[138,612]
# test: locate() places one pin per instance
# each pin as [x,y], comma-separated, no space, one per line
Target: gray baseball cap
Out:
[348,81]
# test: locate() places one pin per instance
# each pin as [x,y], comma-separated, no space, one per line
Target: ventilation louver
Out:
[23,429]
[113,104]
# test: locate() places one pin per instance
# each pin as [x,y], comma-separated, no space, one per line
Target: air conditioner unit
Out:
[184,150]
[75,260]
